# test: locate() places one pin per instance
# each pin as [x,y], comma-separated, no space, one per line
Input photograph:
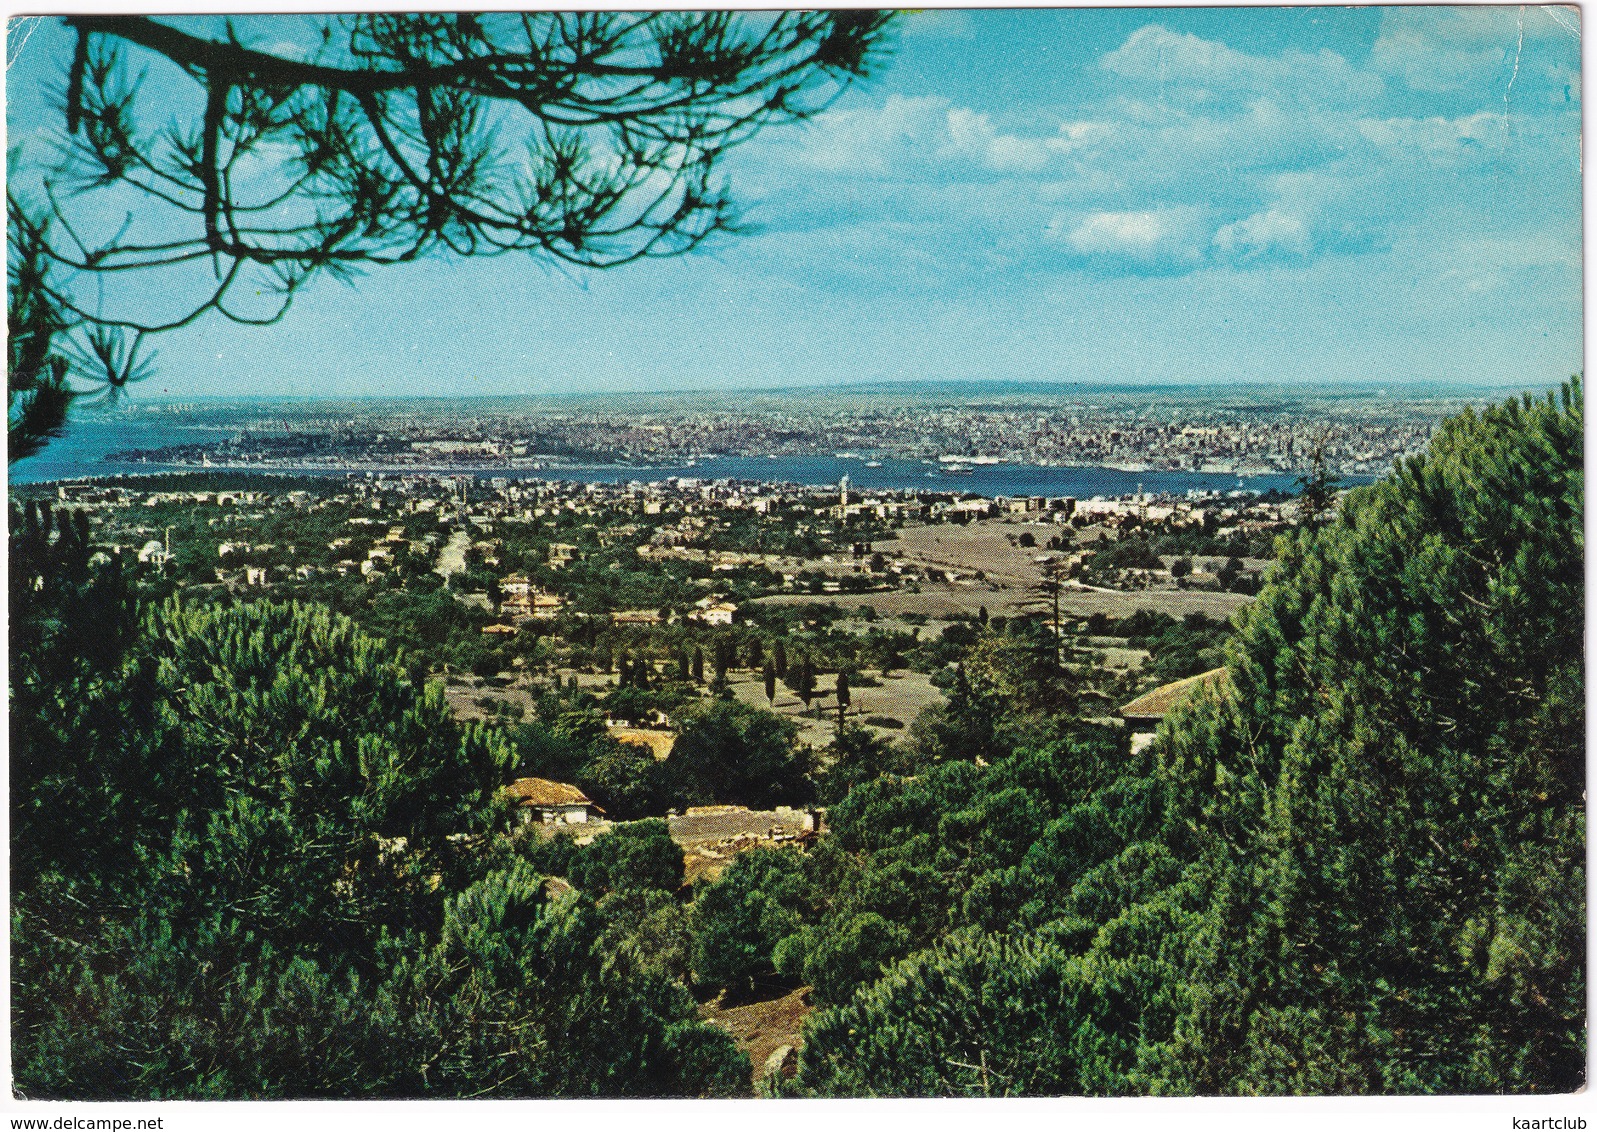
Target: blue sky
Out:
[1173,194]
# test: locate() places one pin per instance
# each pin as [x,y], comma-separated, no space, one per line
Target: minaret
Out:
[842,491]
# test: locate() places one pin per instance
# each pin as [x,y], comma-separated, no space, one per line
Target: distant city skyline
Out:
[1117,195]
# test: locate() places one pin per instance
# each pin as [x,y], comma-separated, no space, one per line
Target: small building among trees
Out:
[711,612]
[1144,713]
[551,803]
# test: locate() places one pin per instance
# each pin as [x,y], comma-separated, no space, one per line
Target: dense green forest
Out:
[1357,868]
[255,855]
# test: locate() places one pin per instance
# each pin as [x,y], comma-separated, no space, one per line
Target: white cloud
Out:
[1158,237]
[1195,155]
[1479,48]
[971,136]
[1264,233]
[1436,138]
[1486,264]
[1119,232]
[1157,54]
[1424,65]
[872,140]
[927,132]
[1075,136]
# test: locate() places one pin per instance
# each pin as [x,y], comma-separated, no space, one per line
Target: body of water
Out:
[983,479]
[90,438]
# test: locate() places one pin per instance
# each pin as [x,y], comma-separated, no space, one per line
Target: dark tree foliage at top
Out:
[37,390]
[249,166]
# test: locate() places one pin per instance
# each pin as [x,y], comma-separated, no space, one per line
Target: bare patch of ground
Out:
[452,557]
[761,1028]
[463,699]
[717,823]
[1117,657]
[900,696]
[991,546]
[935,601]
[1009,573]
[658,743]
[711,837]
[939,602]
[1175,603]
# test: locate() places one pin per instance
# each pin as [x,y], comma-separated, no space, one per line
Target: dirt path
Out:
[452,558]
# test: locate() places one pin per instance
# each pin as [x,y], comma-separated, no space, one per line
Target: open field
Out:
[940,601]
[710,838]
[987,545]
[462,698]
[1009,572]
[901,696]
[1120,658]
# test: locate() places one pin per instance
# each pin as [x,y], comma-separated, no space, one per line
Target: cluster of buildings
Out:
[1280,431]
[675,518]
[1137,434]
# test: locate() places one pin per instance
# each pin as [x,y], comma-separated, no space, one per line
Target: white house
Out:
[154,552]
[552,803]
[719,613]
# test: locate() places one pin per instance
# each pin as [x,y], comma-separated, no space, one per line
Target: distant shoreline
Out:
[821,473]
[948,392]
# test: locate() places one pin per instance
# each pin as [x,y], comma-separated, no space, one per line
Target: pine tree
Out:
[1355,866]
[409,135]
[1317,489]
[282,887]
[729,751]
[1402,754]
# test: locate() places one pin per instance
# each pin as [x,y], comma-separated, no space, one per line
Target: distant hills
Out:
[927,390]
